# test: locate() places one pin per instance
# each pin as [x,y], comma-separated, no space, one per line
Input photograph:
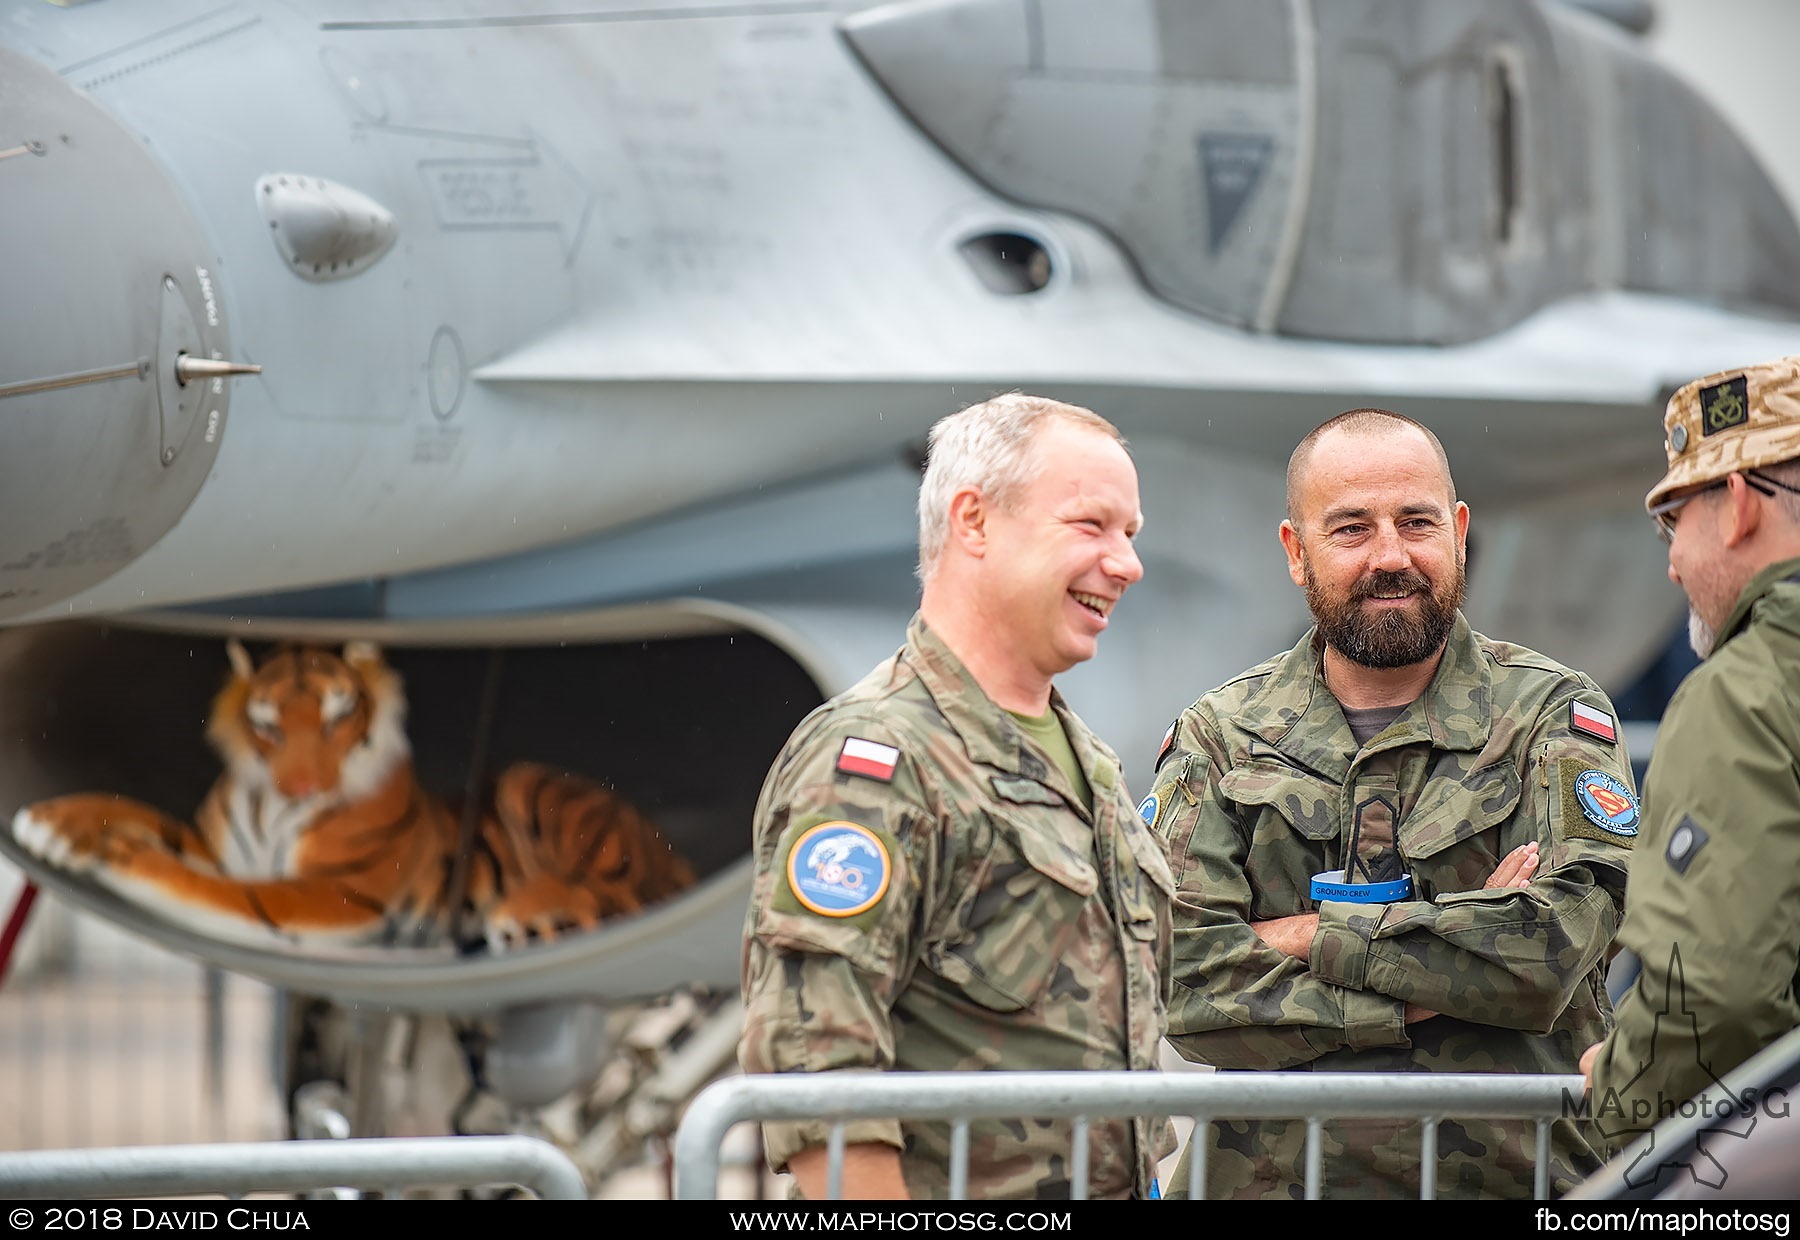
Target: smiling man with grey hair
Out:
[950,872]
[988,447]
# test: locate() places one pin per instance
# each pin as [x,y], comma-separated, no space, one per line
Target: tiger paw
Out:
[79,833]
[539,911]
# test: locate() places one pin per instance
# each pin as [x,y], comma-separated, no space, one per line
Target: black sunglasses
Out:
[1664,513]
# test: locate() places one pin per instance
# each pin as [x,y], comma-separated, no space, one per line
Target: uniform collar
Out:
[988,732]
[1758,586]
[1296,714]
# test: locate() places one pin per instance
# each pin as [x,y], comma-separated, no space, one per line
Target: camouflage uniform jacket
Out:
[1016,931]
[1714,908]
[1261,785]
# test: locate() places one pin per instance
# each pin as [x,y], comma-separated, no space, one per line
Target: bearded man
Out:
[1400,846]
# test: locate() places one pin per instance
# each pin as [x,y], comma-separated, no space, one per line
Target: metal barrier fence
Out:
[234,1170]
[960,1097]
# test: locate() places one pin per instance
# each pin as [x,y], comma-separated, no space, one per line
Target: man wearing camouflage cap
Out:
[950,874]
[1713,907]
[1400,846]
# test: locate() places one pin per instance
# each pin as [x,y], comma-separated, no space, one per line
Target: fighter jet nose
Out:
[111,407]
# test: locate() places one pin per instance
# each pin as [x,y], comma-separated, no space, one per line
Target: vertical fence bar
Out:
[1315,1156]
[834,1162]
[959,1160]
[1428,1159]
[1197,1151]
[1540,1176]
[1078,1154]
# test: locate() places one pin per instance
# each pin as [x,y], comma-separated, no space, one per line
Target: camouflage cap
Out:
[1729,421]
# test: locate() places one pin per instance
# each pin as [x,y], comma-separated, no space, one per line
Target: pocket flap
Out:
[1053,857]
[1449,812]
[1307,803]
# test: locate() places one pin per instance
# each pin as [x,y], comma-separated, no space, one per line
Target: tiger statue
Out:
[317,831]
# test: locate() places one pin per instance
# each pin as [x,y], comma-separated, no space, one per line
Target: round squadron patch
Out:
[1606,802]
[1147,809]
[839,869]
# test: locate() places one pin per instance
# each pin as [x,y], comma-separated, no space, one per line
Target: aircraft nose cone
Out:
[109,285]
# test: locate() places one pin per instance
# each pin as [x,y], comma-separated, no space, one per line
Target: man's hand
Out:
[1515,869]
[1587,1066]
[1291,936]
[870,1171]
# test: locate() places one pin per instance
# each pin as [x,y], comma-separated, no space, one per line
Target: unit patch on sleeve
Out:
[839,869]
[1593,721]
[1147,810]
[1685,844]
[1596,804]
[870,758]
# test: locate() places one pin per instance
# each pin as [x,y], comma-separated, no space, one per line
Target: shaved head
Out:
[1360,422]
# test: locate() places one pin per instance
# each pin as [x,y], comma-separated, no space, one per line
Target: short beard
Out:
[1388,639]
[1700,634]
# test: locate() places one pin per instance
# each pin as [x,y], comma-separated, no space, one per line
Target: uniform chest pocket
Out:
[1030,900]
[1449,838]
[1292,821]
[1279,800]
[1450,811]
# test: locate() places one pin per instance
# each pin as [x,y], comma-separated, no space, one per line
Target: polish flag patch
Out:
[1584,718]
[870,758]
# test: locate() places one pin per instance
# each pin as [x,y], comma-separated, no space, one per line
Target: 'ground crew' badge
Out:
[838,869]
[1606,802]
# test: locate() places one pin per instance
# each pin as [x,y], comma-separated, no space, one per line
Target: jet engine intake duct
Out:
[685,728]
[105,438]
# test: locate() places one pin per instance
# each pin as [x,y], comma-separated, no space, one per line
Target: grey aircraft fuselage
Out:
[622,325]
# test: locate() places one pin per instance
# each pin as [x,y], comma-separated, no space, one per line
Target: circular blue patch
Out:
[1606,802]
[1147,809]
[839,869]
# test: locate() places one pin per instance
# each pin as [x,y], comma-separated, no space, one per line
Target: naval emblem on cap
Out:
[1724,405]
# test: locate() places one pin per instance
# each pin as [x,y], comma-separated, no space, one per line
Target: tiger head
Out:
[310,722]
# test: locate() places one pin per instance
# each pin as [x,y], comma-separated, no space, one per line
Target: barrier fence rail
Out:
[961,1097]
[236,1169]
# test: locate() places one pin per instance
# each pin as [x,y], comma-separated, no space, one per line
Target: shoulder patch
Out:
[838,869]
[1596,804]
[1162,750]
[1685,844]
[1593,721]
[1147,810]
[870,758]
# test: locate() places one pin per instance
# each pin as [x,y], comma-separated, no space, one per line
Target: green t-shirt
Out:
[1047,730]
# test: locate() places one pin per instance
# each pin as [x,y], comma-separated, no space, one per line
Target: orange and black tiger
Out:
[318,830]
